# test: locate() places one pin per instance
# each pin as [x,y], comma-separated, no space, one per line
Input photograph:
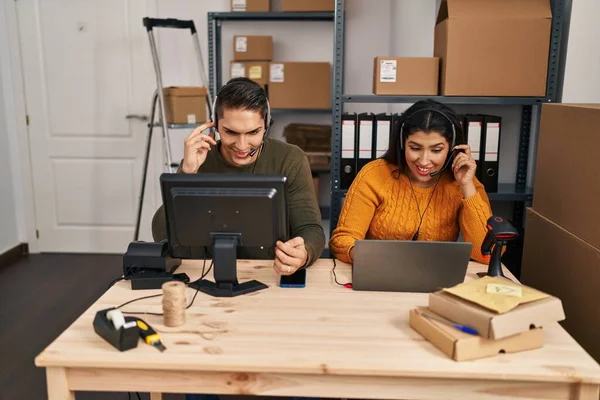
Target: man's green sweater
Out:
[276,158]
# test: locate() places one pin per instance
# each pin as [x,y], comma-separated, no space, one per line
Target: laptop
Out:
[409,266]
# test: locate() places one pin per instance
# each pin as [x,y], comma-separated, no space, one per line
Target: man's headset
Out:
[450,154]
[268,120]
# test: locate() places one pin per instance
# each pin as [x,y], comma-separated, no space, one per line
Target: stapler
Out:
[149,264]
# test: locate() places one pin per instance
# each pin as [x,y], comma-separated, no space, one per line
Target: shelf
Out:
[272,16]
[506,192]
[366,98]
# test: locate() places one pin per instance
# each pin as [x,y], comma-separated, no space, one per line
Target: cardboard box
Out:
[258,71]
[406,75]
[461,346]
[493,47]
[300,85]
[560,263]
[252,48]
[567,181]
[250,5]
[185,104]
[492,325]
[307,5]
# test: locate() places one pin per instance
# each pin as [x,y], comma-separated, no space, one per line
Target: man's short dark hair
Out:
[241,94]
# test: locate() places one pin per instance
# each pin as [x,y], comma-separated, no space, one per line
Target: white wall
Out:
[582,70]
[9,236]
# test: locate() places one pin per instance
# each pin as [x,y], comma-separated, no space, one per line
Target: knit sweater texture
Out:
[380,204]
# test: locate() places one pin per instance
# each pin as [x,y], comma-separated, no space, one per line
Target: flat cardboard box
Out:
[300,85]
[461,346]
[185,104]
[567,181]
[491,325]
[560,263]
[307,5]
[493,47]
[250,5]
[252,48]
[258,71]
[406,75]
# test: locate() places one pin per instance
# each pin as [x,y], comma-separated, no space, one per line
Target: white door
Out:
[87,65]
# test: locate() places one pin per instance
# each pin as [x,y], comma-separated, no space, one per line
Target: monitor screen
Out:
[201,207]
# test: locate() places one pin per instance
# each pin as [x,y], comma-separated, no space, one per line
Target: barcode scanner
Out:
[447,163]
[500,231]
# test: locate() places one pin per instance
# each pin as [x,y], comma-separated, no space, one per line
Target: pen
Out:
[461,328]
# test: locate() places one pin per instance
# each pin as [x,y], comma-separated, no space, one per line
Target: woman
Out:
[397,197]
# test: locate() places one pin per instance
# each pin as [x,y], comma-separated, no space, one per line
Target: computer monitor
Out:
[230,214]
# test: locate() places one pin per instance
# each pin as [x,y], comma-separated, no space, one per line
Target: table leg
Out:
[156,396]
[56,381]
[588,392]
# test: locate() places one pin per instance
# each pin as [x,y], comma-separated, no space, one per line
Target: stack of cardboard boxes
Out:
[485,317]
[283,5]
[561,253]
[251,57]
[481,48]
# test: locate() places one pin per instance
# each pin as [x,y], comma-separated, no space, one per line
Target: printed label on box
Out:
[277,74]
[241,44]
[255,72]
[239,5]
[237,70]
[387,71]
[491,141]
[191,118]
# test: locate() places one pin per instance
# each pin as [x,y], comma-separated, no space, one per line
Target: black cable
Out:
[416,235]
[115,281]
[138,396]
[160,294]
[129,395]
[346,285]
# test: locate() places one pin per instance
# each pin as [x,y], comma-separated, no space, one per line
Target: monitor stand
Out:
[225,270]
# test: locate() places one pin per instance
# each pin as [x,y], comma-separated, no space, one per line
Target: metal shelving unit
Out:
[519,193]
[215,22]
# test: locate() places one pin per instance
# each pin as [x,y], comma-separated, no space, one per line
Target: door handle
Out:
[143,118]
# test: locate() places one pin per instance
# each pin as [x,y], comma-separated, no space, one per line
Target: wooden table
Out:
[320,341]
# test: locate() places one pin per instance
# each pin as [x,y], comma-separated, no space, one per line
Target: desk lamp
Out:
[499,233]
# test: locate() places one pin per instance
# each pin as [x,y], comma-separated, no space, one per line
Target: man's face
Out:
[240,131]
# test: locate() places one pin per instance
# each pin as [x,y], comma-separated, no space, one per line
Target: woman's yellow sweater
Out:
[381,205]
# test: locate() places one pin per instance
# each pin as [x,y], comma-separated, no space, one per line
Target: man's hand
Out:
[290,256]
[196,148]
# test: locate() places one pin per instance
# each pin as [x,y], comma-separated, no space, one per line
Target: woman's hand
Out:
[464,167]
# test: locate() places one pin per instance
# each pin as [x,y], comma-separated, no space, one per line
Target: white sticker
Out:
[365,139]
[191,118]
[237,70]
[241,44]
[383,137]
[239,5]
[277,74]
[492,141]
[347,139]
[387,71]
[474,139]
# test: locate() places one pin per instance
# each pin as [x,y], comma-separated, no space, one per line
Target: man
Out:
[241,110]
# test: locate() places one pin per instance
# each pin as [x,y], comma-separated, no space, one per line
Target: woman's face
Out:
[424,154]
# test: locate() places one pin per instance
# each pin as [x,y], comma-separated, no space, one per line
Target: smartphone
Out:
[296,280]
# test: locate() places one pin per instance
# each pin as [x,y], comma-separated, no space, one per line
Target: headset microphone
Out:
[253,152]
[454,152]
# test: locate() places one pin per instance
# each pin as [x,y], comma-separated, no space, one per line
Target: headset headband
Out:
[213,116]
[423,110]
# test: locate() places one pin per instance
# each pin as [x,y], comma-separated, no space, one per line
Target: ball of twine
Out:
[174,303]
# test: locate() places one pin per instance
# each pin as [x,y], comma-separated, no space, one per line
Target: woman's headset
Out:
[268,120]
[451,153]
